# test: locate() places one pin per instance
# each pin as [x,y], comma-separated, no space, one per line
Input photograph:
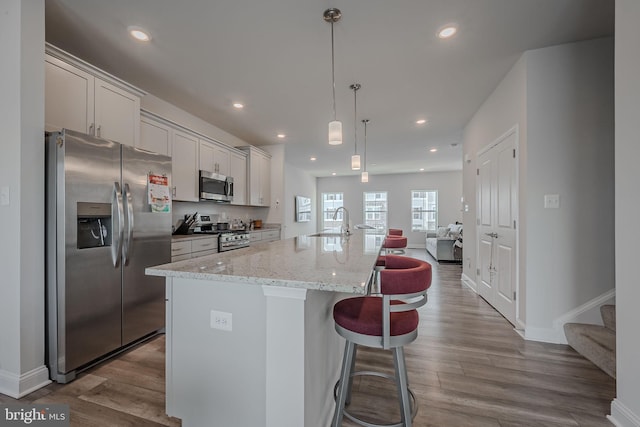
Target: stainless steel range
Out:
[230,240]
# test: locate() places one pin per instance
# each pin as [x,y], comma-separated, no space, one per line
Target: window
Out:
[424,210]
[331,202]
[375,209]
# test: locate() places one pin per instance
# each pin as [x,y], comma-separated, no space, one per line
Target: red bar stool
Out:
[395,232]
[394,244]
[389,322]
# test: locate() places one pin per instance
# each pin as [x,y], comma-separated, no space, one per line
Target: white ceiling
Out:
[275,57]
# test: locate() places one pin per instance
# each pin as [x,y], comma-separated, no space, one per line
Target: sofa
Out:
[446,243]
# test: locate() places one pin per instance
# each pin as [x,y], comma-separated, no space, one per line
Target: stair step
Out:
[608,313]
[596,343]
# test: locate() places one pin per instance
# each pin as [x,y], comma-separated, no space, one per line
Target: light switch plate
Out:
[221,320]
[551,201]
[5,199]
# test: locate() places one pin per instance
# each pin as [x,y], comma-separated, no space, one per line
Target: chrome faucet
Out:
[344,227]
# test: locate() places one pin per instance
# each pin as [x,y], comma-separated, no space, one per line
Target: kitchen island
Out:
[250,334]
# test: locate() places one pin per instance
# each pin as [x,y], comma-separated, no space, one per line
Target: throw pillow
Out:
[442,231]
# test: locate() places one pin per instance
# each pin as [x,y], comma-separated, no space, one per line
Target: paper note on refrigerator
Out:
[159,194]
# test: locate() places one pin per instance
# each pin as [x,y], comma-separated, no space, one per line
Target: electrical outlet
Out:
[221,320]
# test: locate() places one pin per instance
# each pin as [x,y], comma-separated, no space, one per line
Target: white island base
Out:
[275,368]
[278,363]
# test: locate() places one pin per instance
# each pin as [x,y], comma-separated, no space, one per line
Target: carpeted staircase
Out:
[596,343]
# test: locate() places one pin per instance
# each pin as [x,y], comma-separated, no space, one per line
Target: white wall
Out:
[398,188]
[297,182]
[625,410]
[171,112]
[570,148]
[278,204]
[561,100]
[22,174]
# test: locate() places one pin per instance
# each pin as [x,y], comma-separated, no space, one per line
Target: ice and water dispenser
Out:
[94,225]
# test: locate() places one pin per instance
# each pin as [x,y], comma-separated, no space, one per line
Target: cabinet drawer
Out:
[271,235]
[180,257]
[203,253]
[204,244]
[255,236]
[180,248]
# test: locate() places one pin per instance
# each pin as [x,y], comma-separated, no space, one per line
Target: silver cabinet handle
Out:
[128,241]
[98,129]
[91,127]
[173,192]
[116,203]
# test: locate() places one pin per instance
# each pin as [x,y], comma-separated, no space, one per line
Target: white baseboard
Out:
[18,386]
[622,416]
[588,312]
[548,335]
[469,282]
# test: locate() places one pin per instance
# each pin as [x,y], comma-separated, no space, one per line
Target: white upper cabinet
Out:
[79,97]
[214,157]
[259,172]
[238,170]
[155,136]
[184,166]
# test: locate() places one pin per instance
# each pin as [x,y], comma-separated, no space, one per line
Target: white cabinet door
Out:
[265,181]
[185,167]
[68,97]
[238,170]
[221,157]
[207,159]
[155,136]
[254,180]
[117,114]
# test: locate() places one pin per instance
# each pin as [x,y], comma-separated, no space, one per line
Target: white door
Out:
[497,203]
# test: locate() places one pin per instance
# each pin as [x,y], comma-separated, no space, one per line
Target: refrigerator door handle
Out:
[128,241]
[116,247]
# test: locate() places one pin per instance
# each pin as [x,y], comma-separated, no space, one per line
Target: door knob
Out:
[493,235]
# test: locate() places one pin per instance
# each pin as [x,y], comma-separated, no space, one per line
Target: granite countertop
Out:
[328,262]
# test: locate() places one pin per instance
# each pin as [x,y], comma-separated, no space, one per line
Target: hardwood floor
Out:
[468,367]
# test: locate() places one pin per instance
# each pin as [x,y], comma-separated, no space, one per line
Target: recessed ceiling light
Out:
[448,31]
[238,105]
[433,150]
[139,34]
[313,159]
[421,169]
[281,135]
[421,122]
[333,173]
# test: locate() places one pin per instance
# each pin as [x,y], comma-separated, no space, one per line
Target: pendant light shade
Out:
[364,177]
[355,162]
[333,15]
[355,159]
[335,132]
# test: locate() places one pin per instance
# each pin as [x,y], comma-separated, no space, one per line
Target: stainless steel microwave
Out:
[215,187]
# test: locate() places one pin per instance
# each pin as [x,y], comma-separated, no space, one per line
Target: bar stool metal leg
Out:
[343,385]
[402,382]
[351,371]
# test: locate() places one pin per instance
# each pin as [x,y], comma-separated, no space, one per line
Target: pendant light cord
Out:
[333,73]
[364,166]
[355,116]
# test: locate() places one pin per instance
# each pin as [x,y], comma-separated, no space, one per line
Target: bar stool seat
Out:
[395,232]
[394,244]
[388,321]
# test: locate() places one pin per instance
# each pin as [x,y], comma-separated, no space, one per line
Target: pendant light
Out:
[333,15]
[355,159]
[365,175]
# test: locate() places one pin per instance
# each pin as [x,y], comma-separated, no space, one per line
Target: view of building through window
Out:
[331,202]
[375,209]
[424,210]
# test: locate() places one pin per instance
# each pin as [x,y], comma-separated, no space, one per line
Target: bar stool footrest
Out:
[414,406]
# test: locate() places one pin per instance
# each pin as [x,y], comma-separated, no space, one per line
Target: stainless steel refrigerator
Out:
[102,230]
